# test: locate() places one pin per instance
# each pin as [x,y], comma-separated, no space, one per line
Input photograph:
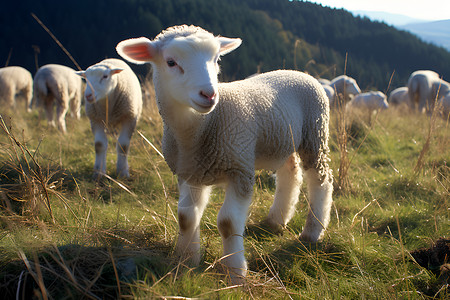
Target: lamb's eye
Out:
[105,76]
[171,63]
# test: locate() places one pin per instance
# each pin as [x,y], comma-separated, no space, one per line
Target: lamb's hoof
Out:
[308,237]
[273,227]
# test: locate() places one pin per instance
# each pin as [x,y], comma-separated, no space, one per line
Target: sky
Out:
[420,9]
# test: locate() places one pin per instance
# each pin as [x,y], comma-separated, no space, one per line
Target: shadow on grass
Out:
[82,272]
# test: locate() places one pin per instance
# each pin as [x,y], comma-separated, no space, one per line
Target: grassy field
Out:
[65,236]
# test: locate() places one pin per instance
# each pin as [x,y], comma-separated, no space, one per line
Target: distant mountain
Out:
[437,32]
[388,18]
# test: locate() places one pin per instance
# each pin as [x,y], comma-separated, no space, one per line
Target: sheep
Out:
[374,100]
[58,85]
[15,81]
[420,89]
[367,103]
[400,97]
[330,92]
[113,99]
[439,88]
[269,121]
[344,86]
[444,106]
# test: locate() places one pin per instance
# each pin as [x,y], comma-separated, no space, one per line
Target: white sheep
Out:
[261,122]
[344,86]
[439,88]
[444,106]
[400,97]
[58,85]
[15,81]
[373,100]
[330,92]
[420,89]
[113,100]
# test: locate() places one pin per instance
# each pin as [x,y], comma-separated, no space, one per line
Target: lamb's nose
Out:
[89,97]
[208,94]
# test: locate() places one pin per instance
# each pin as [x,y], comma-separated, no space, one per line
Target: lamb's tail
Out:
[413,91]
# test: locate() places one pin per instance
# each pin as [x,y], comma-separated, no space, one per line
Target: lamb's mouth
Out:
[203,106]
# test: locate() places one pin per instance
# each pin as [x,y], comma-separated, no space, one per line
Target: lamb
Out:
[344,86]
[58,85]
[15,81]
[219,133]
[113,100]
[420,89]
[439,88]
[330,92]
[400,97]
[374,100]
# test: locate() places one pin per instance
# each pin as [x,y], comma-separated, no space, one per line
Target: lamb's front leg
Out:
[192,203]
[101,145]
[123,147]
[231,223]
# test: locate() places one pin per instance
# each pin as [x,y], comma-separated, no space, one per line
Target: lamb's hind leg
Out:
[289,180]
[320,192]
[192,203]
[123,147]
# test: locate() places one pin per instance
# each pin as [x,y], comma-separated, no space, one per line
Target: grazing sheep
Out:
[444,106]
[400,97]
[113,99]
[260,122]
[369,101]
[344,86]
[15,81]
[330,92]
[420,89]
[58,85]
[324,81]
[439,88]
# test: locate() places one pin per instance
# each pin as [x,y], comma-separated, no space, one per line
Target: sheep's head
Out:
[185,59]
[351,86]
[100,81]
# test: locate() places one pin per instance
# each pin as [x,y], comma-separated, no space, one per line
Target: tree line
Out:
[276,34]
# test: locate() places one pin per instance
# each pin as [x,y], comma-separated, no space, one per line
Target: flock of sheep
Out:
[215,133]
[424,90]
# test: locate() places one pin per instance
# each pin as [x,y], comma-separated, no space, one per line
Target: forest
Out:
[276,34]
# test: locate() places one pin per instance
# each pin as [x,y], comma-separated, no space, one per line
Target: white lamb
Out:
[15,81]
[400,98]
[113,100]
[344,86]
[420,89]
[57,85]
[261,122]
[374,100]
[439,88]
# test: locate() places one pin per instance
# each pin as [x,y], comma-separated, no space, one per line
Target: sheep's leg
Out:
[101,146]
[75,107]
[48,107]
[61,110]
[193,200]
[231,224]
[320,200]
[122,147]
[289,181]
[28,94]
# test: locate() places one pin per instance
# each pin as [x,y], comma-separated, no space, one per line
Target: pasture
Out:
[66,236]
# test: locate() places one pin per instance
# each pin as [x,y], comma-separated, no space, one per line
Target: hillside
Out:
[276,34]
[437,32]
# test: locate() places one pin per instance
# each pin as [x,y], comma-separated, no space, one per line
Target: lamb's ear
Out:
[115,71]
[138,51]
[81,73]
[228,44]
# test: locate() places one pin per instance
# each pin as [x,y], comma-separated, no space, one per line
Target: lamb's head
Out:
[100,81]
[185,61]
[351,86]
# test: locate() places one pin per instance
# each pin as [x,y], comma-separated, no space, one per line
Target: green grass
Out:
[105,240]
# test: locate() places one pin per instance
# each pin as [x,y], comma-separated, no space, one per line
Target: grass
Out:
[64,236]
